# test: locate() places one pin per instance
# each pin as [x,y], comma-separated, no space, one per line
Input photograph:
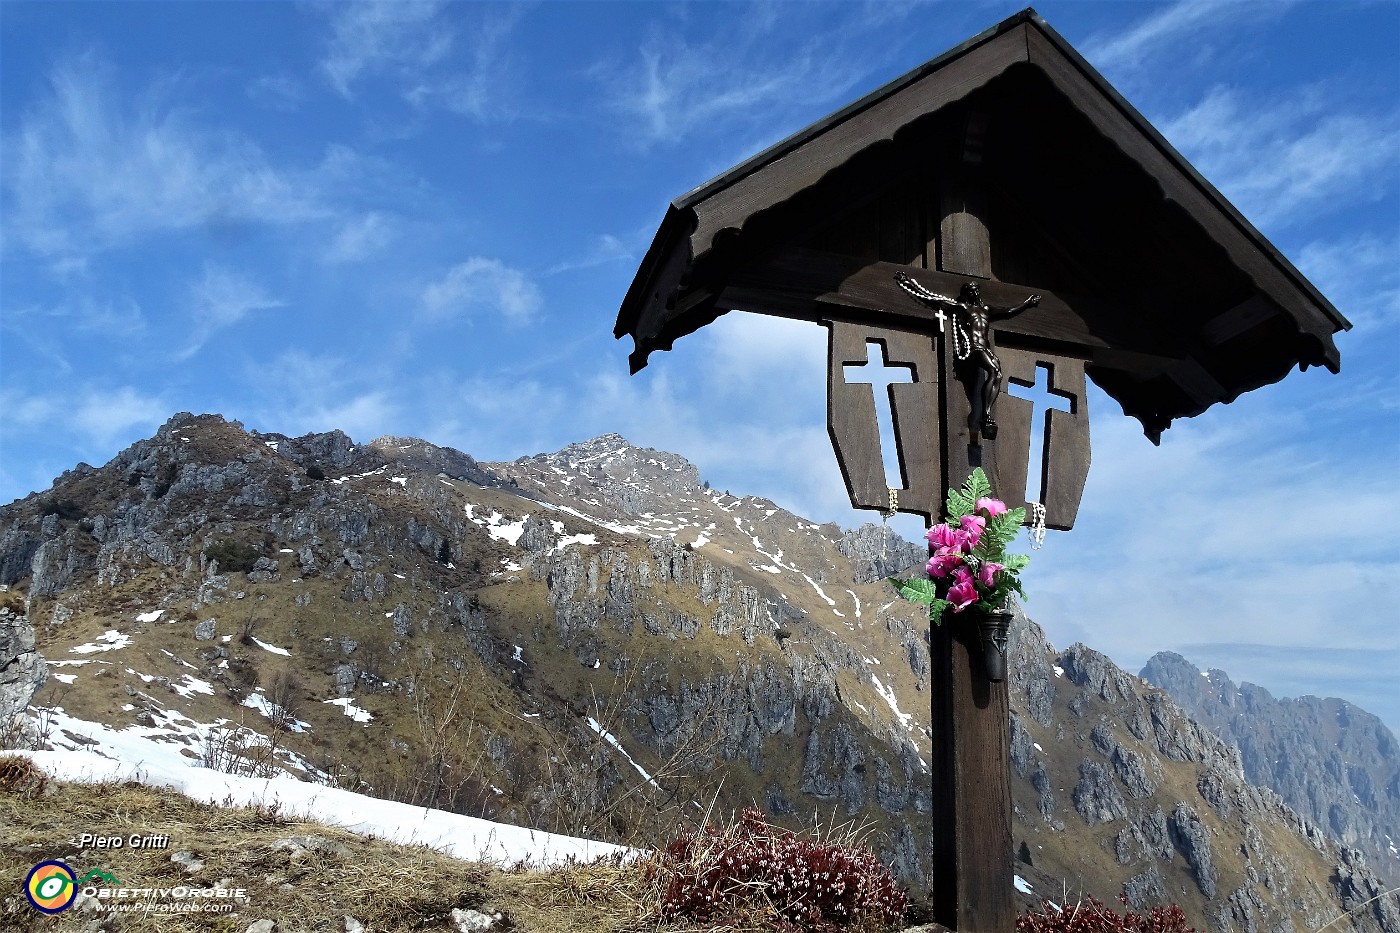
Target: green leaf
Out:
[1000,531]
[1004,525]
[958,505]
[976,486]
[935,611]
[916,590]
[1016,562]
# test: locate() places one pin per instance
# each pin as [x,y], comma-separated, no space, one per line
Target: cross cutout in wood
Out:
[914,417]
[931,417]
[885,376]
[1040,451]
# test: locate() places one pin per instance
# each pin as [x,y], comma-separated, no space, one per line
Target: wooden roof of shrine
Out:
[1172,297]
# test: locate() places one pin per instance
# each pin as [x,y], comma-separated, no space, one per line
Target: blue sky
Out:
[419,219]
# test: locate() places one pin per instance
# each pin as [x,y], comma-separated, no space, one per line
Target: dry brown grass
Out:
[386,886]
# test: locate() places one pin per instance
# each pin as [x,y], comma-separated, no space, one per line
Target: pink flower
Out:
[993,507]
[947,537]
[964,592]
[973,526]
[943,563]
[986,574]
[940,536]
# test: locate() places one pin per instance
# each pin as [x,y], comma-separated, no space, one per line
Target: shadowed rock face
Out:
[1336,764]
[1114,780]
[605,580]
[22,668]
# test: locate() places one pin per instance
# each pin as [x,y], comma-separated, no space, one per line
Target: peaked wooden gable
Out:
[1008,160]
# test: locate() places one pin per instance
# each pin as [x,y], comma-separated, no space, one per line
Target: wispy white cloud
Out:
[360,237]
[62,334]
[479,84]
[1224,534]
[277,91]
[1361,274]
[483,284]
[325,392]
[786,458]
[397,36]
[101,416]
[678,84]
[605,249]
[88,169]
[81,314]
[219,299]
[1164,31]
[434,54]
[126,412]
[1283,162]
[25,410]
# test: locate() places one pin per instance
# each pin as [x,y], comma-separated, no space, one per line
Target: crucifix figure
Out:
[973,344]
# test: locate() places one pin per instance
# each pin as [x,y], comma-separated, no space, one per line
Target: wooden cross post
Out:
[939,432]
[906,220]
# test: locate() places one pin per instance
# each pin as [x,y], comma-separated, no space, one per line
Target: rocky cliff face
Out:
[1159,803]
[22,668]
[592,640]
[1335,764]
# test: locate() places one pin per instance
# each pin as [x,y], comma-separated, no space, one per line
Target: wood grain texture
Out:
[966,247]
[971,849]
[1225,226]
[855,434]
[971,710]
[786,281]
[1239,320]
[1065,468]
[785,177]
[1015,417]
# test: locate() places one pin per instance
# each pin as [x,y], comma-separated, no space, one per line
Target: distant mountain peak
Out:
[1333,762]
[609,471]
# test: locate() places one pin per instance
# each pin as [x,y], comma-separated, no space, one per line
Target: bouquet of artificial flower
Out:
[970,566]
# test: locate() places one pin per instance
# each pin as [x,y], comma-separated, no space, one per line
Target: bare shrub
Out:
[284,696]
[236,749]
[753,870]
[1092,916]
[21,777]
[592,788]
[24,733]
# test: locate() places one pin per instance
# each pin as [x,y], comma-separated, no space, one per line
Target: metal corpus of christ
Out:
[995,225]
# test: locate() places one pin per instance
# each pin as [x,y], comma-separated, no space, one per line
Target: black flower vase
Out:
[994,627]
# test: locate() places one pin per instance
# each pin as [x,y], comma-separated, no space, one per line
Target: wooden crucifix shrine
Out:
[980,237]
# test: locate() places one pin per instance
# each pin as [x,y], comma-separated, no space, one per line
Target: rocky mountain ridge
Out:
[1328,759]
[592,640]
